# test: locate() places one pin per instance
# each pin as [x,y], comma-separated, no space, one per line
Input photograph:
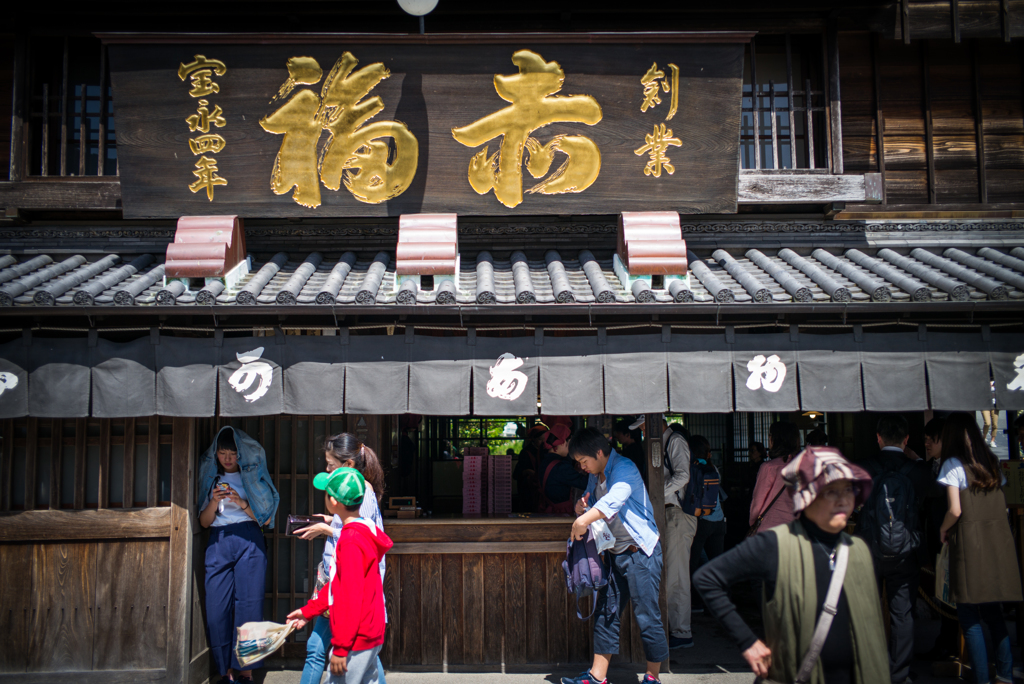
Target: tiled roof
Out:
[503,278]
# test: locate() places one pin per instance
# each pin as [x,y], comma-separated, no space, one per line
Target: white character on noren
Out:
[768,374]
[252,370]
[506,382]
[1018,382]
[8,381]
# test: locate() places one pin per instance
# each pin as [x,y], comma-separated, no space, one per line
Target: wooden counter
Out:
[483,593]
[479,535]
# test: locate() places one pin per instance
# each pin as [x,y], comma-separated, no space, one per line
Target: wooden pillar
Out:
[179,600]
[835,99]
[656,490]
[19,110]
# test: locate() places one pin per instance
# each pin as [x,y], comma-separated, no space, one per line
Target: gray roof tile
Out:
[18,280]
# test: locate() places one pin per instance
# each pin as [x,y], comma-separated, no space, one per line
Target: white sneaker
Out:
[993,443]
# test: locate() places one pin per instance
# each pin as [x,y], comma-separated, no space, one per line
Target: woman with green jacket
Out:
[795,561]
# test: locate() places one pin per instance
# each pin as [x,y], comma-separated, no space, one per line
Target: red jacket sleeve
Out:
[347,588]
[316,606]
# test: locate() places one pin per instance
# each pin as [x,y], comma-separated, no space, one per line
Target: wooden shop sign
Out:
[350,126]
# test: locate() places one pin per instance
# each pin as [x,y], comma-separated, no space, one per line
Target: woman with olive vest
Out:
[797,561]
[982,562]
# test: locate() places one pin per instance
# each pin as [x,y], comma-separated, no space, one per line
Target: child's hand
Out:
[297,618]
[339,665]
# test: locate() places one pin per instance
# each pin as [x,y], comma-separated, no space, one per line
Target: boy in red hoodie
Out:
[356,596]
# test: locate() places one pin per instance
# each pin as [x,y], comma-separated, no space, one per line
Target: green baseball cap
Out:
[346,485]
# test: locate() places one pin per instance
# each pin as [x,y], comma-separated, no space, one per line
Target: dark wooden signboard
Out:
[514,125]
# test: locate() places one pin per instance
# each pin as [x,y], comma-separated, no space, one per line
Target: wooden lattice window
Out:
[785,109]
[54,463]
[71,118]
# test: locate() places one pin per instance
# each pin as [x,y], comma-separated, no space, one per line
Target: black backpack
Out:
[889,519]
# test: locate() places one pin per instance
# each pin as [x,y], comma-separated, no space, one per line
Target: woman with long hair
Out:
[768,502]
[982,565]
[341,451]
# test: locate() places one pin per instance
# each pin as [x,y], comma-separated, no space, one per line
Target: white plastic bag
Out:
[257,640]
[602,535]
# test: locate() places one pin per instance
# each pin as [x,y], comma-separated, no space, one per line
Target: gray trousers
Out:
[362,668]
[681,528]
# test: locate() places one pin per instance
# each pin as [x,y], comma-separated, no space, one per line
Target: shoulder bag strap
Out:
[828,611]
[760,518]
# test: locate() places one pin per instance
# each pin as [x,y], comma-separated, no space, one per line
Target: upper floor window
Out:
[785,122]
[71,122]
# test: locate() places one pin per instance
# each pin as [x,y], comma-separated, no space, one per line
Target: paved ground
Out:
[714,660]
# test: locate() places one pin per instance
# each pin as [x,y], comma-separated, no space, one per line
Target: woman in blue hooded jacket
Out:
[238,499]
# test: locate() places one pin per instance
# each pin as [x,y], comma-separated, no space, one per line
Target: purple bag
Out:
[585,572]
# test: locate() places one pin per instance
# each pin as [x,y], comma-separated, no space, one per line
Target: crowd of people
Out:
[824,590]
[821,586]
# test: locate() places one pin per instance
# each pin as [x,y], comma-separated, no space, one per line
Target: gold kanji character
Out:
[206,172]
[657,144]
[204,117]
[202,70]
[650,82]
[534,106]
[210,142]
[354,154]
[202,84]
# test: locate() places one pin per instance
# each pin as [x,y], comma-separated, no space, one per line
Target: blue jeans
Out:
[971,616]
[316,654]
[636,577]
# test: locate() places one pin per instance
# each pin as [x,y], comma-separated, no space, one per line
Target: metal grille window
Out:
[785,120]
[71,131]
[85,463]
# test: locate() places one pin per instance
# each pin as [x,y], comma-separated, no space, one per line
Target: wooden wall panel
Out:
[1005,185]
[960,140]
[515,608]
[410,652]
[904,152]
[494,608]
[859,153]
[536,596]
[432,639]
[906,187]
[473,608]
[557,626]
[17,570]
[131,605]
[198,641]
[391,650]
[62,626]
[487,610]
[453,621]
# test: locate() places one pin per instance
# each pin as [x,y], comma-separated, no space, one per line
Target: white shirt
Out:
[623,539]
[232,513]
[952,474]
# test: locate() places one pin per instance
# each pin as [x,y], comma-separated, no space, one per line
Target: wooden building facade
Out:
[854,208]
